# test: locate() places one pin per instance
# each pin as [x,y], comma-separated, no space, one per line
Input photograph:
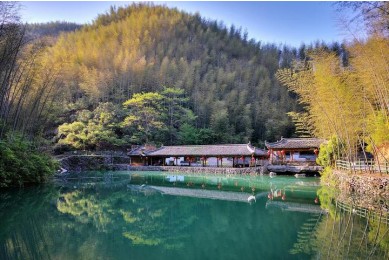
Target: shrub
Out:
[21,164]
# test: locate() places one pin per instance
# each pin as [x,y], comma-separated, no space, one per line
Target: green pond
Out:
[159,215]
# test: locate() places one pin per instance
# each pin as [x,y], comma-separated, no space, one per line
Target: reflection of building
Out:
[205,194]
[290,153]
[227,155]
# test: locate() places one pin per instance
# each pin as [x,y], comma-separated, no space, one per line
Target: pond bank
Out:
[361,190]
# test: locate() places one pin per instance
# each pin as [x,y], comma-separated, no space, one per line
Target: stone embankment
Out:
[371,184]
[369,191]
[93,162]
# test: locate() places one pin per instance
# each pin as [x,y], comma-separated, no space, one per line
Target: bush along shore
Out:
[21,164]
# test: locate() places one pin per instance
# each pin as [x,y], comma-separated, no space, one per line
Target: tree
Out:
[332,99]
[145,116]
[188,135]
[177,115]
[98,129]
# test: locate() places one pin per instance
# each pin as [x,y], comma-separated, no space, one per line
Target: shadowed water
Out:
[122,215]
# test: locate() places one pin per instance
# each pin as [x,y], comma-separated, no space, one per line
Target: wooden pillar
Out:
[233,162]
[221,161]
[217,161]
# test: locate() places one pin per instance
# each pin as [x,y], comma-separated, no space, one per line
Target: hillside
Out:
[36,30]
[228,78]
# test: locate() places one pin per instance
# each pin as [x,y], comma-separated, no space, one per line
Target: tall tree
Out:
[146,116]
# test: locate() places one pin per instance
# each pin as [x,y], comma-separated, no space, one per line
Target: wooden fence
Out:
[362,166]
[382,216]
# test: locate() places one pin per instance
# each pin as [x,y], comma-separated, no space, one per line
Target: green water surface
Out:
[149,215]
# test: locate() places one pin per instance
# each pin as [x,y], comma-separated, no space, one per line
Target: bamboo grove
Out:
[26,93]
[347,102]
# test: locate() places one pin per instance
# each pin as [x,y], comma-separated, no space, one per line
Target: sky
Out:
[290,23]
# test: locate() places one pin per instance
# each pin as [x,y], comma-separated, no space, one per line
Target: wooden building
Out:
[223,155]
[138,155]
[294,151]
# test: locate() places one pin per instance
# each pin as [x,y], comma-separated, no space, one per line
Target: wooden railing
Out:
[364,212]
[363,166]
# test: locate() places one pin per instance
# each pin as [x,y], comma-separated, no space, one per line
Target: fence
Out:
[364,212]
[363,166]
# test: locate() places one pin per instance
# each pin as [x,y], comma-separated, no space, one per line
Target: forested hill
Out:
[228,79]
[35,30]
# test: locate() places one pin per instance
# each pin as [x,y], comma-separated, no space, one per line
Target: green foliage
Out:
[302,124]
[188,135]
[378,126]
[21,164]
[177,114]
[145,116]
[329,152]
[98,129]
[143,48]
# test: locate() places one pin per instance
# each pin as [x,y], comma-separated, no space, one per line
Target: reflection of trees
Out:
[30,230]
[347,232]
[305,235]
[145,221]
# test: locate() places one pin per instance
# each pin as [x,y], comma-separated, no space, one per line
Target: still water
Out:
[149,215]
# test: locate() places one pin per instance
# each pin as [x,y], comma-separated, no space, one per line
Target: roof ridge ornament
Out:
[250,148]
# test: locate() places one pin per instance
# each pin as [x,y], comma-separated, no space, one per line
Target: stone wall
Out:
[372,184]
[92,162]
[369,191]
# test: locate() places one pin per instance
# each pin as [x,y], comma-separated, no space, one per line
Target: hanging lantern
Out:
[316,151]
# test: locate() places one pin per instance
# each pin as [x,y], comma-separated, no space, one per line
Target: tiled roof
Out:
[260,152]
[141,150]
[295,143]
[206,150]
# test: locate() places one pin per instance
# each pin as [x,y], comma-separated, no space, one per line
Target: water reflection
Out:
[351,231]
[148,216]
